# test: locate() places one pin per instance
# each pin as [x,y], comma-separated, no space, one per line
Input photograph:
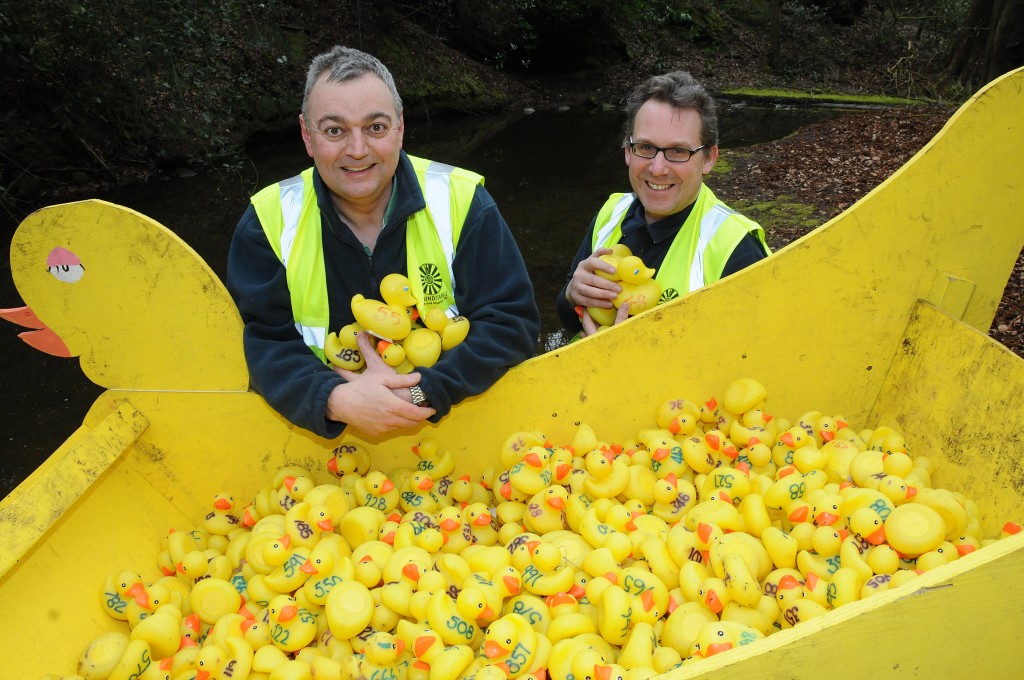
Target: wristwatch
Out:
[418,397]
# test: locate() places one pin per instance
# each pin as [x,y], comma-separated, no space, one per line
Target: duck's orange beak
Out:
[493,650]
[41,336]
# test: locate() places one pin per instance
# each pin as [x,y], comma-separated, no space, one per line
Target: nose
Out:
[357,146]
[659,165]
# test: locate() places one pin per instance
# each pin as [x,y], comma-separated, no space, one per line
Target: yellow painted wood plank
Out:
[45,497]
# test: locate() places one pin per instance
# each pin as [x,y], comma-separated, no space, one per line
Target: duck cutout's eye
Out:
[720,633]
[64,265]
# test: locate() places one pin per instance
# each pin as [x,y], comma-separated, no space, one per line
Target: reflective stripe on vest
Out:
[290,217]
[698,254]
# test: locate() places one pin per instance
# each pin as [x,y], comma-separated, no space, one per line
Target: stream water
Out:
[548,172]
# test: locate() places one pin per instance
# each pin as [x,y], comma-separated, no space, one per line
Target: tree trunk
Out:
[775,52]
[990,43]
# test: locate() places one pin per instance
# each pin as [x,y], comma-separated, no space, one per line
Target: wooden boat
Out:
[880,315]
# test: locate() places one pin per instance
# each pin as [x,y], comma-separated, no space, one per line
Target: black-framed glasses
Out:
[673,154]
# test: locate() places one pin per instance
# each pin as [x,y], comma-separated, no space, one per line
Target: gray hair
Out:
[681,90]
[343,64]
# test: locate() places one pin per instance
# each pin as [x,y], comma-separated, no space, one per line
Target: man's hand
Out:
[376,401]
[590,326]
[586,288]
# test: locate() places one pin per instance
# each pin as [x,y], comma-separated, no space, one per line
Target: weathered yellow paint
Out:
[833,322]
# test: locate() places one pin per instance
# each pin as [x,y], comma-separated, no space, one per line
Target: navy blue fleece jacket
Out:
[493,290]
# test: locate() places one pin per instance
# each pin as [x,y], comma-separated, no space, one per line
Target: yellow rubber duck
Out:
[376,490]
[454,530]
[349,609]
[422,347]
[388,322]
[639,288]
[481,523]
[417,494]
[118,588]
[544,573]
[608,474]
[381,657]
[325,568]
[349,459]
[512,644]
[443,662]
[287,574]
[717,637]
[433,461]
[396,290]
[456,620]
[291,627]
[231,661]
[454,332]
[545,511]
[304,523]
[466,490]
[342,348]
[531,474]
[220,520]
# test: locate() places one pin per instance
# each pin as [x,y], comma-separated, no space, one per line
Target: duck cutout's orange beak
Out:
[482,520]
[562,470]
[647,598]
[506,491]
[427,484]
[308,567]
[388,538]
[602,672]
[512,584]
[139,594]
[660,453]
[41,337]
[730,452]
[532,459]
[713,441]
[186,641]
[964,549]
[411,572]
[577,591]
[325,525]
[675,426]
[288,612]
[332,465]
[787,439]
[827,435]
[449,524]
[386,485]
[799,514]
[911,492]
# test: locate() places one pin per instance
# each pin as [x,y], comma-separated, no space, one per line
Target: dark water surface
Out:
[548,172]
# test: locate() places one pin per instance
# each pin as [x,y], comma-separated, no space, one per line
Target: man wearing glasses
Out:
[671,220]
[305,246]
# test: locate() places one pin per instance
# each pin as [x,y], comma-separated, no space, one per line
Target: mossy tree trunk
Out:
[990,44]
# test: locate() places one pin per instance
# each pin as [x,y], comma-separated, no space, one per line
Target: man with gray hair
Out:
[671,220]
[366,209]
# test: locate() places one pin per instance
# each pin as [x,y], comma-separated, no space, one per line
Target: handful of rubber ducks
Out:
[716,525]
[639,288]
[405,341]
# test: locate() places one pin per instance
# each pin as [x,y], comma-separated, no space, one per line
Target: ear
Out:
[306,139]
[710,156]
[401,129]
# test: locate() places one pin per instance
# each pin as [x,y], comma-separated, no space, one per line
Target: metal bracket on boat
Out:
[951,294]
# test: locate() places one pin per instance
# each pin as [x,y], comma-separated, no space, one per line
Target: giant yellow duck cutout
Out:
[133,301]
[913,274]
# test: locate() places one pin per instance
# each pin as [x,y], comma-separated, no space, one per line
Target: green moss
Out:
[824,97]
[782,212]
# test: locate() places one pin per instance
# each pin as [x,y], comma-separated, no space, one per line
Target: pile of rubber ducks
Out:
[639,288]
[404,340]
[715,526]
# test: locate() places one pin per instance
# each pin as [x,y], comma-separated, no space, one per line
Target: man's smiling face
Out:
[354,135]
[665,188]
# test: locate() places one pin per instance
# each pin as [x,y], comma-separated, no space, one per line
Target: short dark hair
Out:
[681,90]
[346,63]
